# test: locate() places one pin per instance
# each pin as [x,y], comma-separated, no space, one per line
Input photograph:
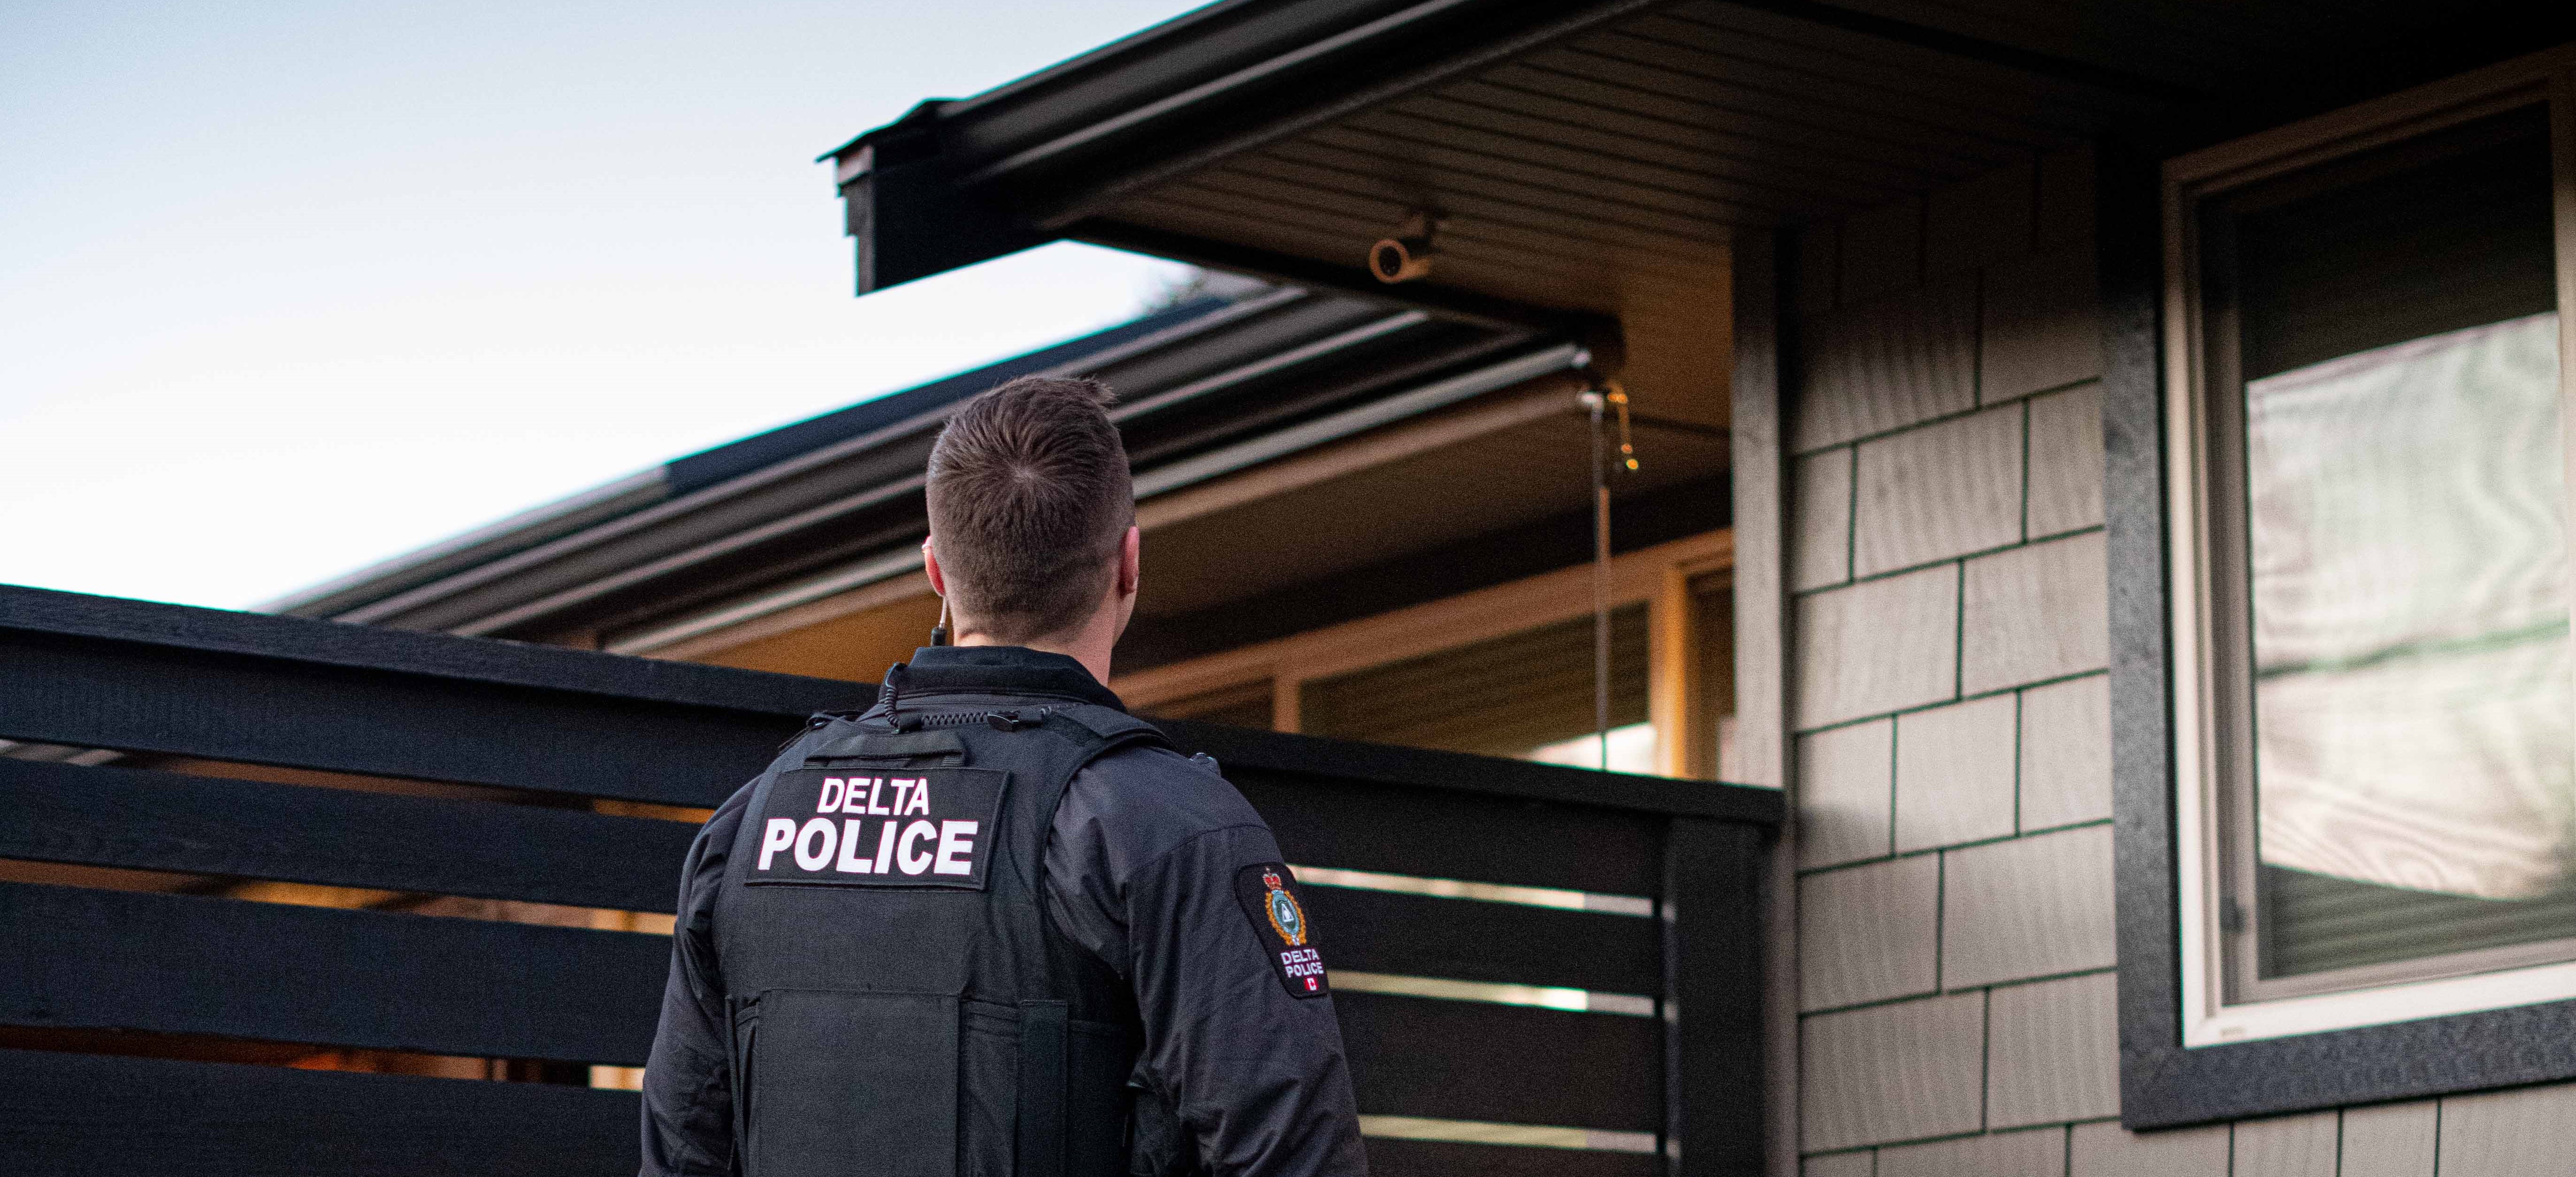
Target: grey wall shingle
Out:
[1845,788]
[1841,1164]
[1979,222]
[2390,1140]
[2036,1152]
[1868,933]
[1879,646]
[2066,198]
[1887,364]
[2509,1133]
[1954,773]
[1939,491]
[2108,1150]
[2031,907]
[2066,461]
[1820,544]
[2288,1146]
[2033,613]
[2066,753]
[2041,326]
[1882,251]
[2053,1051]
[1883,1073]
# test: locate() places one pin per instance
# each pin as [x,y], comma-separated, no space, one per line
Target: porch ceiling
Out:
[1579,156]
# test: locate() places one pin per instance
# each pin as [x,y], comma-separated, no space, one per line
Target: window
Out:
[1505,670]
[1527,695]
[2375,711]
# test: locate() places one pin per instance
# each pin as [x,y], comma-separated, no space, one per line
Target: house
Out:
[2102,463]
[1340,499]
[2144,503]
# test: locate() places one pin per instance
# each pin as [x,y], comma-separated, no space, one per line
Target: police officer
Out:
[994,925]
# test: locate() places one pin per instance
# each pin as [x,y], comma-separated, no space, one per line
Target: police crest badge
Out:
[1269,896]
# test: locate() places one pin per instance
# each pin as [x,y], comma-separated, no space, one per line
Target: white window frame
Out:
[2208,1019]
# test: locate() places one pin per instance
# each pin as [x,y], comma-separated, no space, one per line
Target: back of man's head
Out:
[1029,499]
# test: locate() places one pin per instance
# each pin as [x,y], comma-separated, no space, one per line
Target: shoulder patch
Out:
[1269,896]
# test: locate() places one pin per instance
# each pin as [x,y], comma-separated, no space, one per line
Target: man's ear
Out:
[1131,568]
[930,564]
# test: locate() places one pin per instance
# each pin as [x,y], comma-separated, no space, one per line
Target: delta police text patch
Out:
[919,827]
[1269,897]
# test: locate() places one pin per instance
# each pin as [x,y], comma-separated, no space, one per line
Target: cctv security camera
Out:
[1405,256]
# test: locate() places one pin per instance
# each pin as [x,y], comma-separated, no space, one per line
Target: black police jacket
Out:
[1006,931]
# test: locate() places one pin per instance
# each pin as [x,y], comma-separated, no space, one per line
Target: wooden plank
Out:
[1440,1158]
[165,821]
[1359,825]
[1350,762]
[73,1115]
[1469,1060]
[202,682]
[323,643]
[183,964]
[1717,876]
[1475,940]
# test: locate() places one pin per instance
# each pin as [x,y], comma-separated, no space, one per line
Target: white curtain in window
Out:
[2408,559]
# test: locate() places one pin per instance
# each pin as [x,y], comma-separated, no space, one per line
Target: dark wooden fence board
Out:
[546,723]
[184,964]
[73,1115]
[1484,777]
[163,821]
[1360,826]
[1716,871]
[1474,940]
[1469,1060]
[134,676]
[1437,1158]
[95,622]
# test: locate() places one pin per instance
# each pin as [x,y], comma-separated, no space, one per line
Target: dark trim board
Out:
[2162,1084]
[1491,776]
[74,1115]
[133,676]
[139,819]
[84,959]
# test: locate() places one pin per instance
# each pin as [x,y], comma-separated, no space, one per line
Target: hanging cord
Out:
[939,632]
[1597,402]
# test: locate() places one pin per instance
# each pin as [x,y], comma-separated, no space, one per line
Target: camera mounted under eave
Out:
[1406,255]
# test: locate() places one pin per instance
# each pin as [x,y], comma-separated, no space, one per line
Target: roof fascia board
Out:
[734,532]
[496,561]
[1161,480]
[491,541]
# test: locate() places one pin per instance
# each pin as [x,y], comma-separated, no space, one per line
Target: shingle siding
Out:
[1938,492]
[1954,773]
[2032,907]
[1953,728]
[1905,1071]
[2053,1052]
[1869,933]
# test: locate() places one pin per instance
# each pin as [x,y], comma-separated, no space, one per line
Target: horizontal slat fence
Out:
[568,726]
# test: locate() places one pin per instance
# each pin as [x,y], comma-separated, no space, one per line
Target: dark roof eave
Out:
[959,182]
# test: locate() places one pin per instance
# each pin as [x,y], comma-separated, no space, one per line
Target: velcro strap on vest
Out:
[1044,1041]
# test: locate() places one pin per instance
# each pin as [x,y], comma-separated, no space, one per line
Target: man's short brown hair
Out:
[1029,498]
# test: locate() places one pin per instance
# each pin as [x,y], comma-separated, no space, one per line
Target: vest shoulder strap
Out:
[1106,727]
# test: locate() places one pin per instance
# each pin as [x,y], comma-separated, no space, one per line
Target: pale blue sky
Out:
[289,288]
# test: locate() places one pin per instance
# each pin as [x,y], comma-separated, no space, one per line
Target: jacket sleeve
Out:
[688,1100]
[1255,1074]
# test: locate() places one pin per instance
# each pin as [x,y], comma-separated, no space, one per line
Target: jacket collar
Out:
[997,670]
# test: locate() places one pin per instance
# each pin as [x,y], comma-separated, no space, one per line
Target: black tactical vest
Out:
[901,1003]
